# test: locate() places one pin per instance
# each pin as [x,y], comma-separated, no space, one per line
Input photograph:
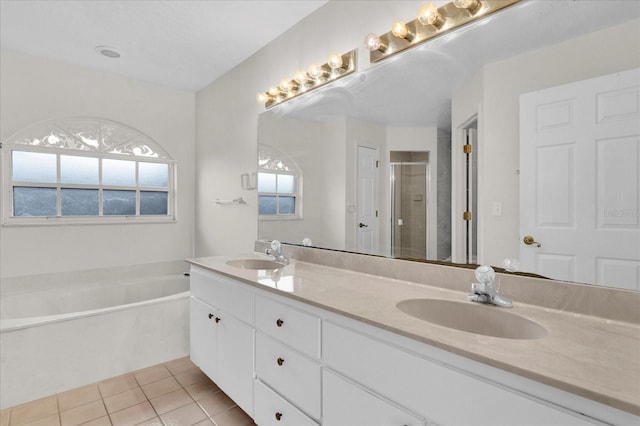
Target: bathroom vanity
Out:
[310,344]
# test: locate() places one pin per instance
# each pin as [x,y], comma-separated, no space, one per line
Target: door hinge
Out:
[467,149]
[466,216]
[376,213]
[377,163]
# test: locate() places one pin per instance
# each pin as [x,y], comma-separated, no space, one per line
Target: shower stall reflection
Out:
[409,197]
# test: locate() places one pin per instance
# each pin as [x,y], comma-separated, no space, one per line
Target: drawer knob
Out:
[279,322]
[278,416]
[210,316]
[217,320]
[280,361]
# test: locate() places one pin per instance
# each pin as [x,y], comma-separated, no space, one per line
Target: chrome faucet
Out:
[485,291]
[276,252]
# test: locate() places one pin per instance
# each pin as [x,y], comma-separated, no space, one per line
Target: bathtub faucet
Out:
[485,291]
[276,252]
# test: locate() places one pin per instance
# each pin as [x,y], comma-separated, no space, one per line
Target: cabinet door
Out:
[203,336]
[235,360]
[345,403]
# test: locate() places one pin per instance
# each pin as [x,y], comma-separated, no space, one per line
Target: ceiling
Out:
[183,44]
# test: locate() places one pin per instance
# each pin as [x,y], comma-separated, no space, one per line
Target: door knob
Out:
[362,225]
[529,240]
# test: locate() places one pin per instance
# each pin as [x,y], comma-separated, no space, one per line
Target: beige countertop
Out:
[589,356]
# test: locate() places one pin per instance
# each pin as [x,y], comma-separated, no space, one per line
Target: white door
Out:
[367,217]
[579,180]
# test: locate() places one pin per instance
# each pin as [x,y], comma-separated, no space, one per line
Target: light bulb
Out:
[317,71]
[373,42]
[314,70]
[470,5]
[285,85]
[301,77]
[262,98]
[334,61]
[428,14]
[399,29]
[273,91]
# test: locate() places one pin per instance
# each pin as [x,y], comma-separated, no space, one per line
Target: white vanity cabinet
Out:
[222,343]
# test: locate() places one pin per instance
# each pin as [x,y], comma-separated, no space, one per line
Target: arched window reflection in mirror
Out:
[279,185]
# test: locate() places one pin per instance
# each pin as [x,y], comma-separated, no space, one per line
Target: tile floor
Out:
[175,393]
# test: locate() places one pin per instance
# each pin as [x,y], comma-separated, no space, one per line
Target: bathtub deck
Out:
[173,393]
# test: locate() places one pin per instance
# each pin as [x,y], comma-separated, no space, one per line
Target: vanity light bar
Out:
[431,22]
[337,66]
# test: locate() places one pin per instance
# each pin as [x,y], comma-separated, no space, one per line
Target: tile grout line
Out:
[103,404]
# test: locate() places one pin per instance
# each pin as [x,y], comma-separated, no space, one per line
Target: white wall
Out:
[34,89]
[227,112]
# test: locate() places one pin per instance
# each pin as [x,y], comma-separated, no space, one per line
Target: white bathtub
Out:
[61,331]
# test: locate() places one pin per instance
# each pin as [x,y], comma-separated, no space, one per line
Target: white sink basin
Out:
[487,320]
[255,264]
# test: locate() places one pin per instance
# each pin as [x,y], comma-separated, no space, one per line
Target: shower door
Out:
[409,189]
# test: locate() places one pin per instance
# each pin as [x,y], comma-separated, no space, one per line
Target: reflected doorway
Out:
[409,177]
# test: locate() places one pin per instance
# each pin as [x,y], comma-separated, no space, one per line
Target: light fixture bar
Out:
[337,66]
[452,16]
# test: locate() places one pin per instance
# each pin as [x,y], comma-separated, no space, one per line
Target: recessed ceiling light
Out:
[107,51]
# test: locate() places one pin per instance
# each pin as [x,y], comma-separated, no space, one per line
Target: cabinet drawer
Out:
[294,328]
[222,293]
[292,375]
[345,403]
[270,409]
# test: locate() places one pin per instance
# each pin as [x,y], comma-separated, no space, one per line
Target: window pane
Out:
[118,172]
[153,202]
[33,167]
[34,201]
[79,202]
[119,203]
[78,170]
[267,204]
[286,184]
[287,205]
[153,174]
[266,182]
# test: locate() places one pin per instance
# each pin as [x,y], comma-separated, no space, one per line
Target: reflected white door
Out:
[367,216]
[579,180]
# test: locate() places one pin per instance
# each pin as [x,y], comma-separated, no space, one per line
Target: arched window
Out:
[279,185]
[85,170]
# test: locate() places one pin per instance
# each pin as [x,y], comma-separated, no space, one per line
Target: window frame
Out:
[7,199]
[297,195]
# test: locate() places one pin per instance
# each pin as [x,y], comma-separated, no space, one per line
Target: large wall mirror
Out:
[458,149]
